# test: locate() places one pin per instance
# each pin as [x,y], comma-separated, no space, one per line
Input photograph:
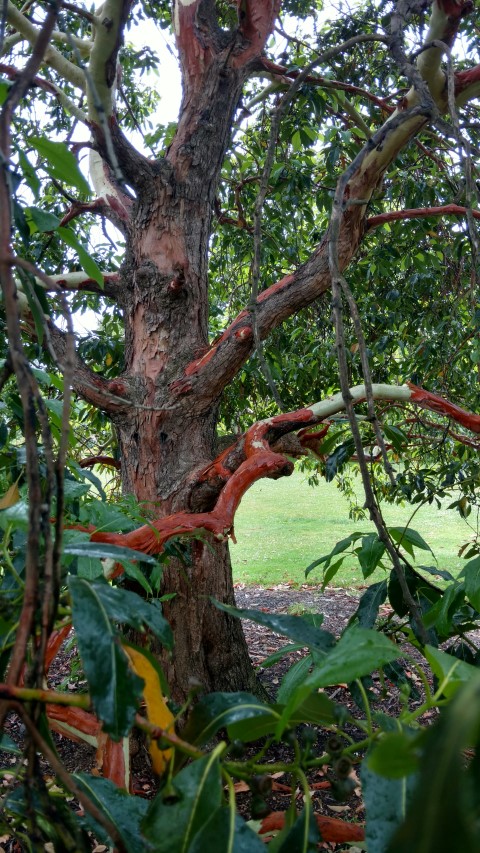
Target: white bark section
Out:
[104,188]
[65,68]
[429,61]
[334,404]
[105,40]
[68,280]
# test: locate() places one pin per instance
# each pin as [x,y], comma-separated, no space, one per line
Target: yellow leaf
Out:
[11,497]
[108,359]
[158,711]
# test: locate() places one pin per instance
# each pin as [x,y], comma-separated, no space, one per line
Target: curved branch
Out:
[419,213]
[252,458]
[109,461]
[77,281]
[109,395]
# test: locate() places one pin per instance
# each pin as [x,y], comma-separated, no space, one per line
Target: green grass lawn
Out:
[283,525]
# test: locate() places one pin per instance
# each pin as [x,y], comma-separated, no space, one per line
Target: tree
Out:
[234,206]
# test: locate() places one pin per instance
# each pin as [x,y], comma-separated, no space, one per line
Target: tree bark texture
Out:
[164,405]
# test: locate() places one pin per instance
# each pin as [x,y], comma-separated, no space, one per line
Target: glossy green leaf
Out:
[440,815]
[338,459]
[9,745]
[293,678]
[293,627]
[115,689]
[408,539]
[41,220]
[358,652]
[125,811]
[219,710]
[395,755]
[315,707]
[62,164]
[370,554]
[88,264]
[386,803]
[471,573]
[450,671]
[127,607]
[367,611]
[226,832]
[338,549]
[173,822]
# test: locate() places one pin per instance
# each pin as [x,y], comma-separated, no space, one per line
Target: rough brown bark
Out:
[165,403]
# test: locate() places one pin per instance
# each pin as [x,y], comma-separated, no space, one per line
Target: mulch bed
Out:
[336,605]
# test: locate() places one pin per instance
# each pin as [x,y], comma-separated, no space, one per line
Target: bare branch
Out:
[251,458]
[419,213]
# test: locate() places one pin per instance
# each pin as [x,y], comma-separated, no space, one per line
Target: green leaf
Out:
[408,539]
[471,573]
[450,671]
[339,548]
[127,607]
[173,822]
[9,745]
[338,459]
[62,163]
[124,811]
[315,708]
[41,220]
[293,678]
[370,554]
[395,755]
[442,613]
[434,570]
[115,689]
[16,514]
[226,832]
[358,652]
[367,611]
[303,836]
[219,710]
[88,264]
[397,437]
[440,816]
[293,627]
[386,803]
[275,657]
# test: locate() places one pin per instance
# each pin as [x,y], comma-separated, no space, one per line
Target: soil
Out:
[336,605]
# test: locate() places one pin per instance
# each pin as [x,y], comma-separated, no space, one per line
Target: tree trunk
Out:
[210,646]
[161,455]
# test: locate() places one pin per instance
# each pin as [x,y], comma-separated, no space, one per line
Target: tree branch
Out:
[78,281]
[52,56]
[419,213]
[109,395]
[251,458]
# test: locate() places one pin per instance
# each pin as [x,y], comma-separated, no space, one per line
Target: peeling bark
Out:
[164,405]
